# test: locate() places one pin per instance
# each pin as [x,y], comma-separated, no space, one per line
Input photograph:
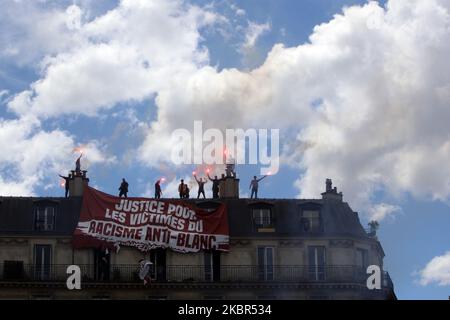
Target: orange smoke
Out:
[79,149]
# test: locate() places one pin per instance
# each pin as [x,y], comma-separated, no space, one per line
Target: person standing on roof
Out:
[182,189]
[158,191]
[201,186]
[78,164]
[66,183]
[254,184]
[123,188]
[215,186]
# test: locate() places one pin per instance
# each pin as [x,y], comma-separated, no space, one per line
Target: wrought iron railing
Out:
[129,273]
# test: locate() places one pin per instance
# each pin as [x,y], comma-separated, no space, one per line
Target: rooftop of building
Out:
[337,218]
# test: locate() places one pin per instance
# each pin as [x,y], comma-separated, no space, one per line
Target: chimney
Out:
[329,185]
[330,192]
[229,185]
[77,181]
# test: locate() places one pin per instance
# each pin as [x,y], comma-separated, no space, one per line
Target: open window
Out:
[265,263]
[44,215]
[158,258]
[42,261]
[362,262]
[212,265]
[263,217]
[102,263]
[316,263]
[311,218]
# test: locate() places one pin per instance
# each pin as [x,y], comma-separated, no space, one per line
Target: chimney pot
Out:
[77,183]
[329,185]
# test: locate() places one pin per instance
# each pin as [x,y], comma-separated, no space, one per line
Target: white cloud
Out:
[94,152]
[32,29]
[381,211]
[32,157]
[3,93]
[436,271]
[17,188]
[125,54]
[73,17]
[253,32]
[238,11]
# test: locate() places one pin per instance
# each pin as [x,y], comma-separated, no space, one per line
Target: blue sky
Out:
[357,99]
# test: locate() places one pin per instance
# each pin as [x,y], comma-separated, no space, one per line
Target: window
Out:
[13,270]
[265,263]
[102,260]
[317,263]
[362,258]
[42,261]
[311,221]
[44,218]
[362,261]
[262,218]
[158,258]
[212,265]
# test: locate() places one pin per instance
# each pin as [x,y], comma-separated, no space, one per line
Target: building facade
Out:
[280,249]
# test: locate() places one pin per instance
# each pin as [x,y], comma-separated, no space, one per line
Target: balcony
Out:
[117,274]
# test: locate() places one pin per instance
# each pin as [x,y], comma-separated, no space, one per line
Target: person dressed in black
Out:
[103,266]
[186,193]
[182,189]
[66,183]
[254,186]
[78,164]
[201,186]
[158,191]
[123,188]
[215,186]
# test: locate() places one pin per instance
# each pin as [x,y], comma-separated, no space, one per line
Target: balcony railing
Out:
[192,273]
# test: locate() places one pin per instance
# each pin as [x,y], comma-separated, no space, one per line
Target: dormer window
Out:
[262,217]
[310,221]
[44,217]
